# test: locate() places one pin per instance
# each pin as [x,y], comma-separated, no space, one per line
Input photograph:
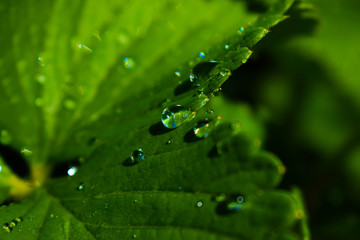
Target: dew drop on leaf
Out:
[5,137]
[129,63]
[175,115]
[137,156]
[199,204]
[234,206]
[0,168]
[202,129]
[72,171]
[201,54]
[26,152]
[210,111]
[220,198]
[169,141]
[81,186]
[240,199]
[226,46]
[178,73]
[241,30]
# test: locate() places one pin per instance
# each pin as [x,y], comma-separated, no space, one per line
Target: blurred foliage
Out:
[304,80]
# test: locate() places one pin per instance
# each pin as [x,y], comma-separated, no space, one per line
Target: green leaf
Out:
[88,81]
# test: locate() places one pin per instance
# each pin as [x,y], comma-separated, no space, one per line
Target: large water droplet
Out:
[137,156]
[5,137]
[72,171]
[175,115]
[202,129]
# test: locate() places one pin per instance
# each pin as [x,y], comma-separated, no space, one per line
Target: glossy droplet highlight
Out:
[137,156]
[199,204]
[170,141]
[240,199]
[202,129]
[0,168]
[129,63]
[178,73]
[175,115]
[5,137]
[72,171]
[201,54]
[241,30]
[81,186]
[226,46]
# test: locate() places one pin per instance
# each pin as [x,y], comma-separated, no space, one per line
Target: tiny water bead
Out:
[175,115]
[129,63]
[0,168]
[81,186]
[199,204]
[241,30]
[220,198]
[240,199]
[226,46]
[210,111]
[170,141]
[72,171]
[201,54]
[178,73]
[137,156]
[202,129]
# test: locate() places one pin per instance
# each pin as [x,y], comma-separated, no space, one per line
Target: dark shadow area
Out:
[183,87]
[191,137]
[213,153]
[15,161]
[158,129]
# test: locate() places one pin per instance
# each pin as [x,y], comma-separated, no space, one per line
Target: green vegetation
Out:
[169,119]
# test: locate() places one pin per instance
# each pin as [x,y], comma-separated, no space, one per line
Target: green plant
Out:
[85,83]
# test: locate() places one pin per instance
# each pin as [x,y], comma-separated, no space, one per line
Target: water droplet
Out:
[202,129]
[81,186]
[169,141]
[199,204]
[0,168]
[6,228]
[241,30]
[133,236]
[234,206]
[216,92]
[225,72]
[26,152]
[178,73]
[240,199]
[226,46]
[5,137]
[129,63]
[137,156]
[72,171]
[69,104]
[175,115]
[41,60]
[210,111]
[221,197]
[201,54]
